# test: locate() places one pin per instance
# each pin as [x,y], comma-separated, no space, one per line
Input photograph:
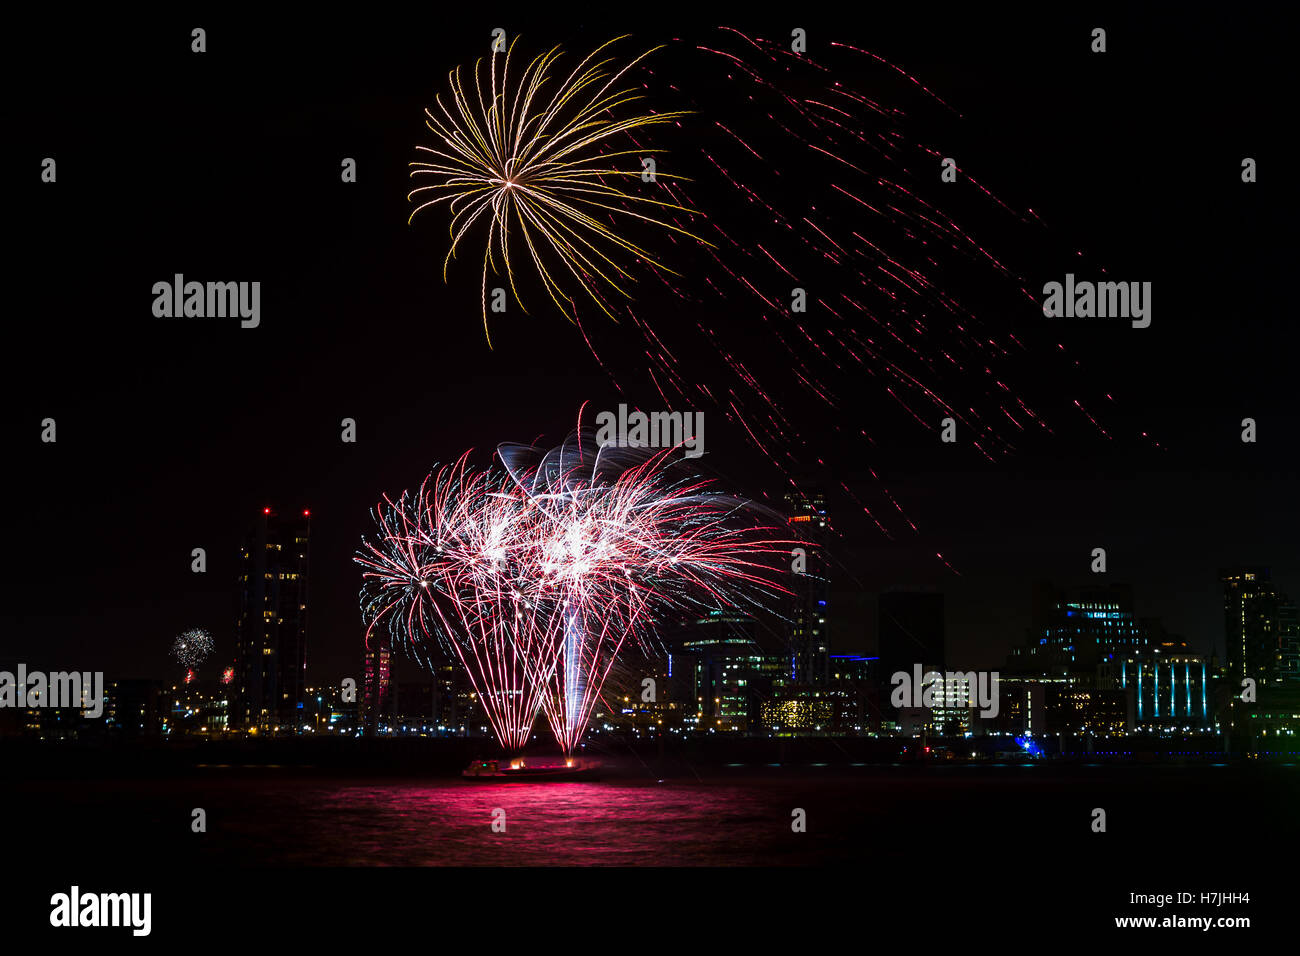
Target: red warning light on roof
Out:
[266,511]
[306,513]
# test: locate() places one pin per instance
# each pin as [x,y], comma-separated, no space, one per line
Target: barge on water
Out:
[535,769]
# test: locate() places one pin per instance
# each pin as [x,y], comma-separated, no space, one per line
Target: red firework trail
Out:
[792,180]
[806,183]
[536,574]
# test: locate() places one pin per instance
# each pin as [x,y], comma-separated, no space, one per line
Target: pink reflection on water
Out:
[547,824]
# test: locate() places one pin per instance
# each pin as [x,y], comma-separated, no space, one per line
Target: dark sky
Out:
[173,435]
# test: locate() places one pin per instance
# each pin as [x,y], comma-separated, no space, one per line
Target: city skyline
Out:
[510,472]
[256,416]
[755,675]
[852,632]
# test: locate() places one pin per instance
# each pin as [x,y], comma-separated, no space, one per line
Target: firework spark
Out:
[842,265]
[191,648]
[798,181]
[538,574]
[628,539]
[538,160]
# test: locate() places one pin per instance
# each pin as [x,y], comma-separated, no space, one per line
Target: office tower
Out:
[1075,633]
[1260,627]
[854,681]
[717,667]
[807,634]
[271,631]
[1288,638]
[377,671]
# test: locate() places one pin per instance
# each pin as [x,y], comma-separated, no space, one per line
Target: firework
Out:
[192,647]
[537,574]
[809,176]
[629,538]
[537,159]
[438,568]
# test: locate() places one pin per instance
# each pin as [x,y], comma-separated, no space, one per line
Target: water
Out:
[737,817]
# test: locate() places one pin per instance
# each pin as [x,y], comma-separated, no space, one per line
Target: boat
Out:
[533,769]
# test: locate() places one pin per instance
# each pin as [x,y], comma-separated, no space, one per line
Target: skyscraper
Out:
[1260,627]
[726,676]
[377,671]
[1076,633]
[271,667]
[1288,637]
[808,640]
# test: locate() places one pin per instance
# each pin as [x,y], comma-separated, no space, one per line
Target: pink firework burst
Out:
[538,574]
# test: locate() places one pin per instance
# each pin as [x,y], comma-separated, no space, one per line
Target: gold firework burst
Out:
[538,159]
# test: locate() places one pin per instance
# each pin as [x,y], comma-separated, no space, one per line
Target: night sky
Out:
[173,434]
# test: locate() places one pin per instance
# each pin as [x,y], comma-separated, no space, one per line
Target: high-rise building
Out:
[377,671]
[808,638]
[1260,627]
[911,632]
[719,665]
[1075,633]
[854,679]
[271,669]
[1288,638]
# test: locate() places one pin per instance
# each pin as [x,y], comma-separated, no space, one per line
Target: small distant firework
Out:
[534,157]
[227,675]
[191,648]
[538,574]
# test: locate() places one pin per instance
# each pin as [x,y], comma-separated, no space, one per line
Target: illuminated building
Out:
[951,714]
[377,671]
[1260,627]
[853,668]
[271,668]
[854,679]
[198,708]
[131,709]
[954,698]
[807,635]
[1288,639]
[723,668]
[1088,711]
[1271,722]
[1073,634]
[1022,706]
[806,711]
[667,705]
[1169,693]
